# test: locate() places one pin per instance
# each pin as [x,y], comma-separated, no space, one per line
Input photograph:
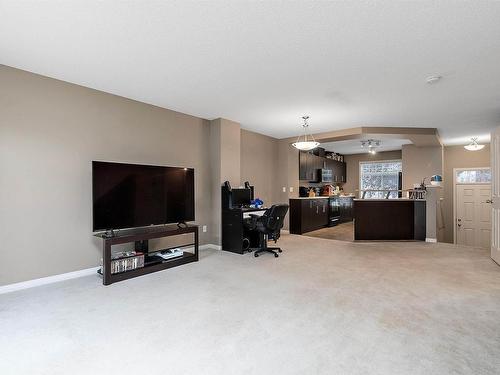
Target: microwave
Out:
[325,175]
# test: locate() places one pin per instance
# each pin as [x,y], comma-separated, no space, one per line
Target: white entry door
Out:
[473,215]
[495,180]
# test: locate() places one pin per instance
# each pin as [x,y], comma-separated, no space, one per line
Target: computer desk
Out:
[233,229]
[247,211]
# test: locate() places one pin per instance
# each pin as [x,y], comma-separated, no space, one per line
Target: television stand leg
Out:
[142,246]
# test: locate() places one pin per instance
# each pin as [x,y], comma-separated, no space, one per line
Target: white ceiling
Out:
[265,64]
[353,146]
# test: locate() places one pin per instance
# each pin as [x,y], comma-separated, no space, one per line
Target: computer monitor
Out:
[241,197]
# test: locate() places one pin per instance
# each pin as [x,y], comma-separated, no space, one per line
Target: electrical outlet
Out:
[291,189]
[204,228]
[284,189]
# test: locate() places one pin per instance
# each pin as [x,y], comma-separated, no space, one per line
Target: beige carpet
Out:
[322,307]
[341,232]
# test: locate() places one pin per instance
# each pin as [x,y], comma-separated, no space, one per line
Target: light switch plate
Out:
[284,189]
[204,228]
[291,189]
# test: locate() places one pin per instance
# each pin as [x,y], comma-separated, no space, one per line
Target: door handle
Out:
[489,201]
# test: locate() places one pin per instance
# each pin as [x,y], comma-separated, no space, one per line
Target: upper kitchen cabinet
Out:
[303,165]
[309,165]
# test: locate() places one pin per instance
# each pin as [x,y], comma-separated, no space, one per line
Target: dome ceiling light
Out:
[305,142]
[473,145]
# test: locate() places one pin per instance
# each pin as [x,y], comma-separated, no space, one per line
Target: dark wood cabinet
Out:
[308,214]
[309,164]
[303,165]
[318,162]
[389,219]
[346,209]
[338,170]
[321,213]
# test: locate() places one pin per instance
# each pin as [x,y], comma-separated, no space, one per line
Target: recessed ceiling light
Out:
[433,79]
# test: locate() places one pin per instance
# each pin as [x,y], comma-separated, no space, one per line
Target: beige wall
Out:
[352,165]
[287,176]
[50,131]
[259,165]
[421,162]
[458,157]
[225,139]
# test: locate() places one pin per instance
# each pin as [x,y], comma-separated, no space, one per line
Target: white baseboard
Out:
[67,276]
[210,246]
[432,240]
[47,280]
[285,231]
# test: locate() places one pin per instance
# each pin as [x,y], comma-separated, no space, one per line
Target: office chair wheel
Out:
[256,255]
[280,251]
[276,255]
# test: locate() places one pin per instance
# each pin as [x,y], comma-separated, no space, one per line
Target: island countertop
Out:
[326,197]
[389,219]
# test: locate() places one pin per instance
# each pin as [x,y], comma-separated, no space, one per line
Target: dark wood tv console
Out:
[143,235]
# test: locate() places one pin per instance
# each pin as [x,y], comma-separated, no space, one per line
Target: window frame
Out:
[373,162]
[457,170]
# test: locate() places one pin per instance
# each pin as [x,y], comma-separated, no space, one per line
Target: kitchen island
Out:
[389,219]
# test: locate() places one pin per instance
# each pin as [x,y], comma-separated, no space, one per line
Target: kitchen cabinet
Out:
[338,170]
[309,164]
[308,214]
[346,208]
[303,165]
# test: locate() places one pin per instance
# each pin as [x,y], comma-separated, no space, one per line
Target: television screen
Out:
[133,195]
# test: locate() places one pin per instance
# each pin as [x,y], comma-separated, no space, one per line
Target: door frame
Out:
[455,183]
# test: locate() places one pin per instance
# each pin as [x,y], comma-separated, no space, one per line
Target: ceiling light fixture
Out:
[305,142]
[372,145]
[473,145]
[433,79]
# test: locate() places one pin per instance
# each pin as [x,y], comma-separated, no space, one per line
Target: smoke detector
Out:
[433,79]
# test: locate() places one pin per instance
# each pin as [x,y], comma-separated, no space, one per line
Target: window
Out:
[380,175]
[473,176]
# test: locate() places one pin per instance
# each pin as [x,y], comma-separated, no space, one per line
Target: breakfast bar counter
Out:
[389,219]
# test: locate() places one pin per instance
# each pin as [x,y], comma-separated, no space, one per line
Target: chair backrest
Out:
[274,216]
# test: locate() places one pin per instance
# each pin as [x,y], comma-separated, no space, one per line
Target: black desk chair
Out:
[268,225]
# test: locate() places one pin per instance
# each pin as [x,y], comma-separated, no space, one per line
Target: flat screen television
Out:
[134,195]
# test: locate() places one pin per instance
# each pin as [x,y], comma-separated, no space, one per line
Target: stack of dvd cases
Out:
[127,261]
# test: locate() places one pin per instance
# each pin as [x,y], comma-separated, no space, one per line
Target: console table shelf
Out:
[140,235]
